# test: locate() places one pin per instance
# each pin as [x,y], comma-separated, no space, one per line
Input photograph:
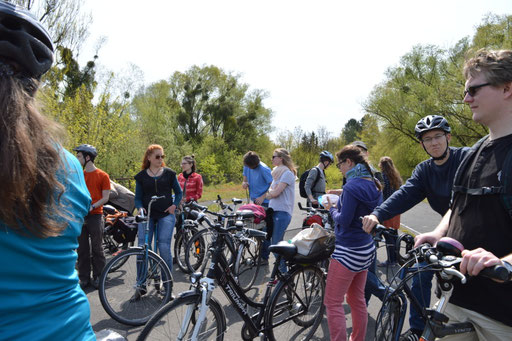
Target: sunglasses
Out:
[340,163]
[158,157]
[472,90]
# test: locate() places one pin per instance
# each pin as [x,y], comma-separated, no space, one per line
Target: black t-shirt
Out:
[482,221]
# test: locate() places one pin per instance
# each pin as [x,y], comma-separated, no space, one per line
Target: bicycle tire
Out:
[296,307]
[197,249]
[167,322]
[180,247]
[118,285]
[111,248]
[387,325]
[247,264]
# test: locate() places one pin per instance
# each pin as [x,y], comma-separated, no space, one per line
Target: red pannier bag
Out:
[259,212]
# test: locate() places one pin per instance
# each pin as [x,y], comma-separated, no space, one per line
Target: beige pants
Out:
[486,329]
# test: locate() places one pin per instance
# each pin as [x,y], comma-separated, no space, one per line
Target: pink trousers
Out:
[340,282]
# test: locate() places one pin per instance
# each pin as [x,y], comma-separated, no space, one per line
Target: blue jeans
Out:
[281,221]
[373,284]
[164,235]
[421,289]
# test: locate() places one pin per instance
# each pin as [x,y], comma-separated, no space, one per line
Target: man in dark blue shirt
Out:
[431,179]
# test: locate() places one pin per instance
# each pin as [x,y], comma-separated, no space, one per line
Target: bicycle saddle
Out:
[245,214]
[285,249]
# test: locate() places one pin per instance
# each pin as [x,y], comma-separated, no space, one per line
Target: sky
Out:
[317,60]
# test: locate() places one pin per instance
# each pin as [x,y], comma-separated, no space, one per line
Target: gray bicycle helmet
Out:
[24,41]
[360,144]
[87,149]
[327,155]
[429,123]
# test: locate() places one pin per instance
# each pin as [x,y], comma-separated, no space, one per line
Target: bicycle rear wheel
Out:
[177,319]
[125,300]
[180,247]
[390,319]
[247,263]
[197,249]
[296,307]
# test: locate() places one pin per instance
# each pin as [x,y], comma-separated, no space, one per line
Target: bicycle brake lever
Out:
[456,273]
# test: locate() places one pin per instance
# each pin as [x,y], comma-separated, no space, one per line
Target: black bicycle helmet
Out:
[24,41]
[87,149]
[360,144]
[431,122]
[327,155]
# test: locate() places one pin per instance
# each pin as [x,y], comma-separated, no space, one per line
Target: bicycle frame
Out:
[221,273]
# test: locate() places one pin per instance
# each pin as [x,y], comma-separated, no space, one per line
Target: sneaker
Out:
[410,335]
[95,283]
[84,284]
[139,292]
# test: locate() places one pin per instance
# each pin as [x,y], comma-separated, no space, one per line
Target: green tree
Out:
[350,131]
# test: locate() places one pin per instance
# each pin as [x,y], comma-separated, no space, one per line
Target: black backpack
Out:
[302,181]
[505,188]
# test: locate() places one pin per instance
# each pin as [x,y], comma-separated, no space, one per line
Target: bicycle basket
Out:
[314,244]
[124,230]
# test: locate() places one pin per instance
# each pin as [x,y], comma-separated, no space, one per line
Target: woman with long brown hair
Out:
[392,182]
[44,197]
[355,249]
[281,196]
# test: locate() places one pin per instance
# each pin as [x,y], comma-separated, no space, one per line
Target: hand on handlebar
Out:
[474,261]
[369,222]
[429,237]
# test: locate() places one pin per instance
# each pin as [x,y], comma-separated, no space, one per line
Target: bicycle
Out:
[117,233]
[137,282]
[197,246]
[293,310]
[242,249]
[443,260]
[185,229]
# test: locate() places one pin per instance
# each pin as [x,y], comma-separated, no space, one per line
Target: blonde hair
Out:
[287,159]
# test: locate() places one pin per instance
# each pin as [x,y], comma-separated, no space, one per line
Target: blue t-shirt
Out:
[40,298]
[259,180]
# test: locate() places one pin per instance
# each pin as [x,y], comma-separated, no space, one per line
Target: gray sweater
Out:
[319,187]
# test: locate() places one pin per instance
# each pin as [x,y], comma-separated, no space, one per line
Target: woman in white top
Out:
[281,195]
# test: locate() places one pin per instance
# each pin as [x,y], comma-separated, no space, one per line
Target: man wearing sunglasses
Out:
[431,179]
[479,217]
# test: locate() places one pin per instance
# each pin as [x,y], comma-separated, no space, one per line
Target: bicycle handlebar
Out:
[311,209]
[438,257]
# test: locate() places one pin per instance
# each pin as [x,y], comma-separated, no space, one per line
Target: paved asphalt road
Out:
[420,218]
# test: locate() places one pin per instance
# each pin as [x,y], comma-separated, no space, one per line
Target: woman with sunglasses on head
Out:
[156,179]
[281,196]
[191,182]
[44,197]
[355,249]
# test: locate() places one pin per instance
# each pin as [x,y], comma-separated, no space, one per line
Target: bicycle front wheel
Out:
[247,263]
[296,307]
[131,295]
[177,319]
[390,319]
